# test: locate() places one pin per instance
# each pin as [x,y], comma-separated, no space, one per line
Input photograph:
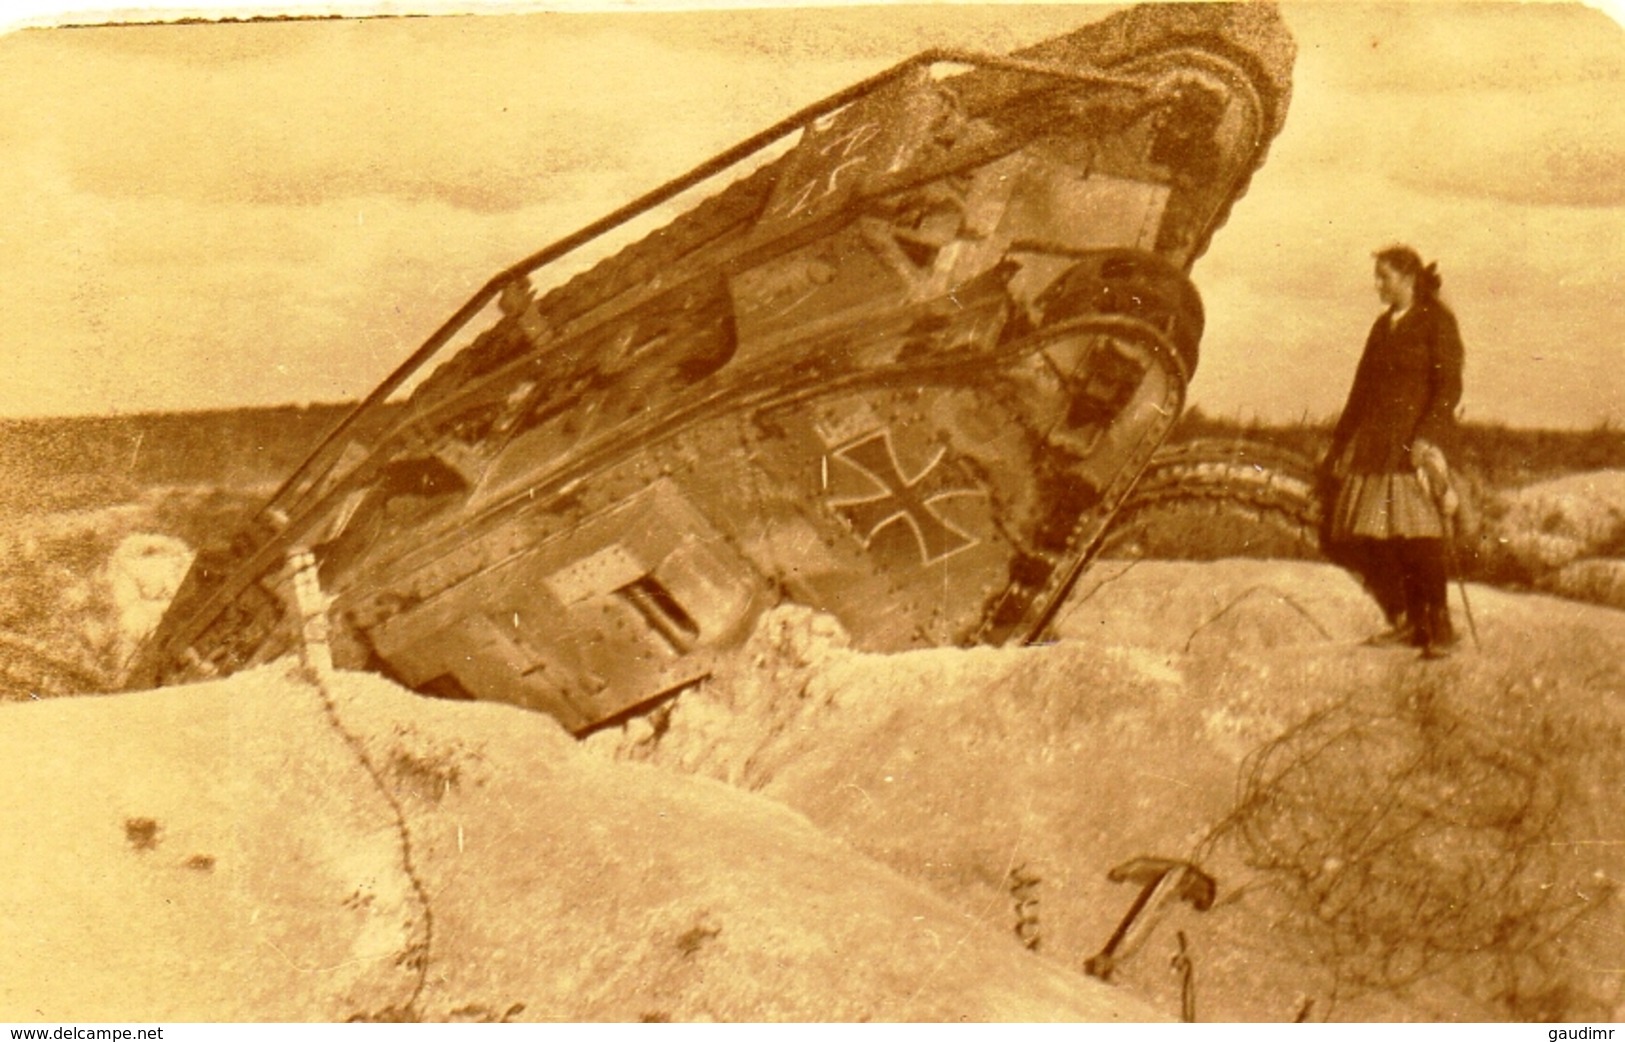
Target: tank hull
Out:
[903,372]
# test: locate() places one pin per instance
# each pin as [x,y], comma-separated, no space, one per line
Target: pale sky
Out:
[195,216]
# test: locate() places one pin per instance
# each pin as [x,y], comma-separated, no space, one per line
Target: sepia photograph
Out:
[813,514]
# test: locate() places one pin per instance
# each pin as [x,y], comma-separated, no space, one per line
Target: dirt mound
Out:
[1392,839]
[253,849]
[1584,510]
[1567,536]
[141,577]
[1232,604]
[79,589]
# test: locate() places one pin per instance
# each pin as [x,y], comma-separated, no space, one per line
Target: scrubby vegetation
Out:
[90,462]
[1499,456]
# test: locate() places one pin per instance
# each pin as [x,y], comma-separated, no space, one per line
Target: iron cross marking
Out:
[902,500]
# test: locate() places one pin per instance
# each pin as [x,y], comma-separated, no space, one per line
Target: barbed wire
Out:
[1410,840]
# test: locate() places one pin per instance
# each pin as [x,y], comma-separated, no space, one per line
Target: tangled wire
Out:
[1410,841]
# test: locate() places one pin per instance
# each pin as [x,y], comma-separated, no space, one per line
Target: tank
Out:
[899,358]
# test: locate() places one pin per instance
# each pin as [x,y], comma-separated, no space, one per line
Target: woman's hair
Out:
[1408,262]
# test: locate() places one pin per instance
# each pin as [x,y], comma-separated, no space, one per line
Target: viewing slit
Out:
[662,611]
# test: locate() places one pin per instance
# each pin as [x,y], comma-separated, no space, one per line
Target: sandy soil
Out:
[234,851]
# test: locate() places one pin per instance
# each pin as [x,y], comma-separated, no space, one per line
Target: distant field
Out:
[1495,455]
[83,463]
[50,465]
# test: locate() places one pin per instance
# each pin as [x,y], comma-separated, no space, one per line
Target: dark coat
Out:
[1406,388]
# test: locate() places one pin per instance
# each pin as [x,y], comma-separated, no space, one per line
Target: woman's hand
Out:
[1434,473]
[1429,457]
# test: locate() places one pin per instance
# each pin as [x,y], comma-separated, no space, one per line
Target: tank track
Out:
[1220,498]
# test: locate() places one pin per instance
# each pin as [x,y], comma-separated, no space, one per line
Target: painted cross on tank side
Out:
[902,500]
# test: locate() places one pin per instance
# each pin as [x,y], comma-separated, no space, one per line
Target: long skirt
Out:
[1384,506]
[1385,529]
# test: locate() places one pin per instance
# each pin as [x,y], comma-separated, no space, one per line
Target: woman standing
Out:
[1386,460]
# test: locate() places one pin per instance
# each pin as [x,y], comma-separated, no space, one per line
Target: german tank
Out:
[900,362]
